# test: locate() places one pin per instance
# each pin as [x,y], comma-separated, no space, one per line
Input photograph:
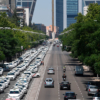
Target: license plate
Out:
[65,87]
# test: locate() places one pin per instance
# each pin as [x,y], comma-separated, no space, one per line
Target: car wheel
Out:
[88,94]
[60,88]
[38,76]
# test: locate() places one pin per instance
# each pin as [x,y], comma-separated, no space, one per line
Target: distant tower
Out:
[52,15]
[27,4]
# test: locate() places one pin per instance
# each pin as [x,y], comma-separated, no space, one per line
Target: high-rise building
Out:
[9,3]
[27,4]
[67,10]
[41,27]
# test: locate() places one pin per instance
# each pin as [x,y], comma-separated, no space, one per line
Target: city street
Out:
[57,60]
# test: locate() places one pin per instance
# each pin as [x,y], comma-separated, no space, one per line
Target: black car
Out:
[69,95]
[65,85]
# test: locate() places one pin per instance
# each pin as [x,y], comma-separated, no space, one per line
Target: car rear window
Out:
[92,87]
[48,80]
[14,92]
[70,94]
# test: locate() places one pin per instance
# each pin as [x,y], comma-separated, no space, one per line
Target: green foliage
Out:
[84,38]
[11,41]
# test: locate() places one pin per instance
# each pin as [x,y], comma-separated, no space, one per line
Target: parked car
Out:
[69,95]
[92,89]
[1,70]
[65,85]
[49,82]
[5,67]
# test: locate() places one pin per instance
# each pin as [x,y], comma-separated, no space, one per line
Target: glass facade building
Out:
[27,4]
[72,11]
[59,14]
[67,10]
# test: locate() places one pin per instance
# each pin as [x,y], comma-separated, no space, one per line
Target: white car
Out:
[1,70]
[2,88]
[11,75]
[15,93]
[3,83]
[12,65]
[35,74]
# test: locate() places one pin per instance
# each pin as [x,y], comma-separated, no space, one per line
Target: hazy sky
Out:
[43,12]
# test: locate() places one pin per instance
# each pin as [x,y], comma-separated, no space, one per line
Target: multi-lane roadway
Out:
[57,60]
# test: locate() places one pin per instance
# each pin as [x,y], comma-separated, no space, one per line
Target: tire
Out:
[60,88]
[88,94]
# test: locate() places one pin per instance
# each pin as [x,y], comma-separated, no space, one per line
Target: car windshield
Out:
[70,94]
[10,73]
[14,92]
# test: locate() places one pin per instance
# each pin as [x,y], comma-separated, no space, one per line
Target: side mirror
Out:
[75,94]
[74,69]
[63,94]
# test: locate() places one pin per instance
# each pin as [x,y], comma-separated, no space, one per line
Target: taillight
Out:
[65,96]
[45,82]
[97,90]
[89,89]
[74,96]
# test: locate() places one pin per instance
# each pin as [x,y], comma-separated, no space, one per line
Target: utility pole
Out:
[53,17]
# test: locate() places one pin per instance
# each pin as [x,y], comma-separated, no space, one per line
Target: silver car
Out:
[92,89]
[51,71]
[49,82]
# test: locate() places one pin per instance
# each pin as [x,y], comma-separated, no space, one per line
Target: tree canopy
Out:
[85,38]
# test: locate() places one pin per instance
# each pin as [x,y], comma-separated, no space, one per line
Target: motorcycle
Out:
[64,70]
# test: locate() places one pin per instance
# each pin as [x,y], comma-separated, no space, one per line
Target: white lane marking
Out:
[37,95]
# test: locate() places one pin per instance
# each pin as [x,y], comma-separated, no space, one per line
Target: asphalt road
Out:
[57,60]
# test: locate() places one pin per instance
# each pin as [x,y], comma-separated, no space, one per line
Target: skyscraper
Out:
[27,4]
[10,3]
[67,10]
[59,14]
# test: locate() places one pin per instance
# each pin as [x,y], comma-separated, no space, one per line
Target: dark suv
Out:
[69,95]
[65,85]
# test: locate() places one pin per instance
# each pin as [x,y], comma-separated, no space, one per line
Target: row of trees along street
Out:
[12,40]
[84,38]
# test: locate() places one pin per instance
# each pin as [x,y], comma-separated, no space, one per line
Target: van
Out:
[79,70]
